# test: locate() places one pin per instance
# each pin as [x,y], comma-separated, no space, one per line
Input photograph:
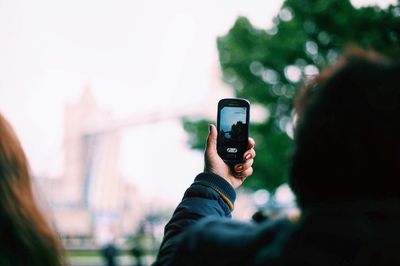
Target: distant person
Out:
[26,238]
[345,173]
[110,254]
[138,253]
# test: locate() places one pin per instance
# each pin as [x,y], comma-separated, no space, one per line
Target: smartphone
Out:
[233,129]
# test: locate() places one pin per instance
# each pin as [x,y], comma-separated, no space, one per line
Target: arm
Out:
[211,195]
[202,199]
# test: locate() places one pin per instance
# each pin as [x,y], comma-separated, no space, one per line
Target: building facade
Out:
[91,199]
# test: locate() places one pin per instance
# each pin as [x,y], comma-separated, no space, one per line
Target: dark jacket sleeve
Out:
[223,242]
[201,233]
[209,196]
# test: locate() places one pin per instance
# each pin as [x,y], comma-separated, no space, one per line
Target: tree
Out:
[268,66]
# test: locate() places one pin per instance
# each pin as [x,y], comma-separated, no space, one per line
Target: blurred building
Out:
[91,199]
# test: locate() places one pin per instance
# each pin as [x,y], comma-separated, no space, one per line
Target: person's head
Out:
[347,140]
[25,235]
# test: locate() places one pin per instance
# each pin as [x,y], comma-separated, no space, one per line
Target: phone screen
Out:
[233,129]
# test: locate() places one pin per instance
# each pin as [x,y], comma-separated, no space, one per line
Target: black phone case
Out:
[233,102]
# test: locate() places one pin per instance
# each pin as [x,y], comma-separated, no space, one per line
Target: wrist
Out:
[222,174]
[220,185]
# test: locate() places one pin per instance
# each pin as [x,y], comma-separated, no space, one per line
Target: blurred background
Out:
[111,101]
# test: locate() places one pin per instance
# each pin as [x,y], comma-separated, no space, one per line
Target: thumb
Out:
[212,139]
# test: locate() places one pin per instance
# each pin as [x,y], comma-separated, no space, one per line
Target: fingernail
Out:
[248,156]
[239,168]
[209,128]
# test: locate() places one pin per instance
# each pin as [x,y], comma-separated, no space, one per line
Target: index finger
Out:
[251,143]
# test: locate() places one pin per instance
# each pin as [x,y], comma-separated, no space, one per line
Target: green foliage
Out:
[198,131]
[268,66]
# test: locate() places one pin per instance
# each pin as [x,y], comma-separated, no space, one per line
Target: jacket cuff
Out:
[220,185]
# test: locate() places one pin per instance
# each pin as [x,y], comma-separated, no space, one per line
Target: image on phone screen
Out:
[233,124]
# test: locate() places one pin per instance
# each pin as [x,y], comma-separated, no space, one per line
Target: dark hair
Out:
[347,141]
[26,237]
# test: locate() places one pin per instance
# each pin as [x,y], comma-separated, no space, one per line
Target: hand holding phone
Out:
[230,152]
[234,175]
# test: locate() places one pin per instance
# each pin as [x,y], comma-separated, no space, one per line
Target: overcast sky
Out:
[136,56]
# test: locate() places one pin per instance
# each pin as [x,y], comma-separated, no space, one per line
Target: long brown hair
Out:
[26,237]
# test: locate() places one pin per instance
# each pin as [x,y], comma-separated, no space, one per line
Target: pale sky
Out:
[137,56]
